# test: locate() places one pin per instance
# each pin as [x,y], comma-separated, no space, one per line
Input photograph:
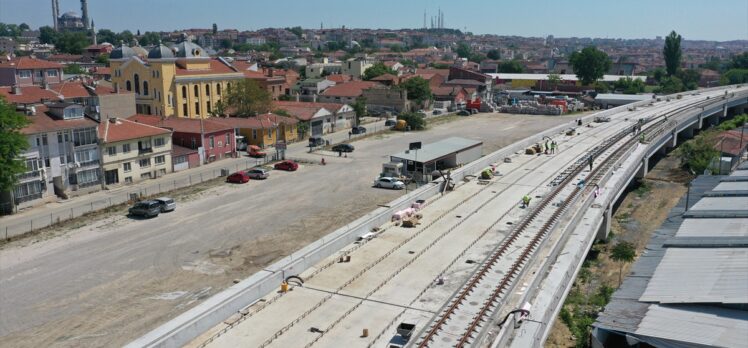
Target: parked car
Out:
[390,123]
[287,165]
[343,148]
[167,204]
[255,151]
[316,141]
[358,130]
[463,113]
[600,119]
[388,182]
[258,173]
[145,209]
[239,177]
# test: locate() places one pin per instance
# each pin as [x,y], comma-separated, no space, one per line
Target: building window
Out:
[127,167]
[145,87]
[158,142]
[52,73]
[112,150]
[125,148]
[86,155]
[84,136]
[160,159]
[254,134]
[207,106]
[88,177]
[185,110]
[145,175]
[145,163]
[197,91]
[144,146]
[38,74]
[128,85]
[24,74]
[207,89]
[212,142]
[136,79]
[128,180]
[218,89]
[170,99]
[194,144]
[228,139]
[197,108]
[184,92]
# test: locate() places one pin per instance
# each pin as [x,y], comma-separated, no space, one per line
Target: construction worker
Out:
[525,201]
[641,138]
[547,147]
[553,147]
[591,161]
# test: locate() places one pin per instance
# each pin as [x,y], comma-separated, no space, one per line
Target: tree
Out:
[414,120]
[225,43]
[296,31]
[672,53]
[302,128]
[106,35]
[47,35]
[103,59]
[690,79]
[671,84]
[493,54]
[623,252]
[510,67]
[12,144]
[150,38]
[553,80]
[658,74]
[740,61]
[247,98]
[463,50]
[71,42]
[628,85]
[360,107]
[378,69]
[126,36]
[418,89]
[215,28]
[23,26]
[73,69]
[734,76]
[590,64]
[698,154]
[219,110]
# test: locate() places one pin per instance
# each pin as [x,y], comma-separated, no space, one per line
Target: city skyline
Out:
[694,20]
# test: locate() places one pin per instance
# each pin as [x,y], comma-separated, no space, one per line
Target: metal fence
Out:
[125,195]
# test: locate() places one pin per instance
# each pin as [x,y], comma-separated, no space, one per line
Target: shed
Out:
[443,154]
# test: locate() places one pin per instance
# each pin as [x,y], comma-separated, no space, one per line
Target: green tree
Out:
[72,42]
[658,74]
[414,120]
[150,38]
[378,69]
[623,252]
[510,67]
[671,84]
[106,35]
[463,50]
[672,53]
[225,43]
[126,36]
[734,76]
[302,127]
[698,154]
[690,79]
[409,63]
[628,85]
[103,59]
[298,31]
[219,110]
[247,98]
[359,106]
[418,89]
[493,54]
[12,144]
[23,26]
[554,80]
[47,35]
[215,28]
[740,61]
[590,64]
[74,69]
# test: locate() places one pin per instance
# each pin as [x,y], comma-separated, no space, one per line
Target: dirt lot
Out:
[641,212]
[108,279]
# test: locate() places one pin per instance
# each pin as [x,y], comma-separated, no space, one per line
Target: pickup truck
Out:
[255,151]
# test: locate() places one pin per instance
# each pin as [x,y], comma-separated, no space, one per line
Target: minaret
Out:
[93,32]
[84,11]
[55,14]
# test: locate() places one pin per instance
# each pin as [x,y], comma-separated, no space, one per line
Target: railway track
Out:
[476,304]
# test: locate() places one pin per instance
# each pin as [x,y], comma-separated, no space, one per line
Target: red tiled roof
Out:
[66,58]
[180,124]
[349,89]
[118,129]
[340,78]
[729,142]
[177,150]
[332,107]
[101,71]
[29,63]
[303,113]
[43,122]
[446,90]
[385,77]
[256,122]
[216,67]
[29,95]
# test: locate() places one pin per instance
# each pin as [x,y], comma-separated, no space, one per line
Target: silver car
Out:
[388,182]
[258,173]
[167,204]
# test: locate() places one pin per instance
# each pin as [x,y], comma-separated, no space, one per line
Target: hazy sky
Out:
[693,19]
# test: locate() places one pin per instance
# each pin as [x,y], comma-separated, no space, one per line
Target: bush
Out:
[415,121]
[698,154]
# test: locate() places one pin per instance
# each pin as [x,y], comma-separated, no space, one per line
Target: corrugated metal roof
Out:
[721,203]
[430,152]
[736,227]
[711,275]
[732,186]
[710,326]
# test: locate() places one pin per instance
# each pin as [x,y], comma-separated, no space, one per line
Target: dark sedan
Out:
[343,148]
[358,130]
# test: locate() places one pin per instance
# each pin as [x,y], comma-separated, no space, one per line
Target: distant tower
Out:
[424,18]
[321,25]
[439,19]
[84,11]
[93,32]
[55,13]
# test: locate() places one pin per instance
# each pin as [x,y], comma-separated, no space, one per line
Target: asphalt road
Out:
[115,278]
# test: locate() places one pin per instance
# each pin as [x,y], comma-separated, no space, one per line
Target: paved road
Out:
[116,278]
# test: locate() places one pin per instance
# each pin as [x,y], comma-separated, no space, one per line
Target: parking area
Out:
[112,280]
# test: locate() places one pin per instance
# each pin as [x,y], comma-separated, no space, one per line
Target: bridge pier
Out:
[643,169]
[604,230]
[674,142]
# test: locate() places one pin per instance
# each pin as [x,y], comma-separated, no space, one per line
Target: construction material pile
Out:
[529,107]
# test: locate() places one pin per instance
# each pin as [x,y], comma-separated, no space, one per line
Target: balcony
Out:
[34,174]
[89,163]
[145,151]
[28,198]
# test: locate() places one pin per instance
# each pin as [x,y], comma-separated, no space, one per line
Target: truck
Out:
[255,151]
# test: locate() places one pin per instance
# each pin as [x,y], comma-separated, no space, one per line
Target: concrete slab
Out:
[732,186]
[735,227]
[721,203]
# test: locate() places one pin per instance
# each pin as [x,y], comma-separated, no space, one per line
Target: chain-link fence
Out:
[128,194]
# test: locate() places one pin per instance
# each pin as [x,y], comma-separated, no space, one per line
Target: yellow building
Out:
[182,81]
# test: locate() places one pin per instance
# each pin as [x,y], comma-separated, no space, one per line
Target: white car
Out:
[388,182]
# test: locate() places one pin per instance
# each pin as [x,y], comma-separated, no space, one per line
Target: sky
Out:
[720,20]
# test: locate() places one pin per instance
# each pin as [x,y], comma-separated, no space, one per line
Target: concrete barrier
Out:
[208,314]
